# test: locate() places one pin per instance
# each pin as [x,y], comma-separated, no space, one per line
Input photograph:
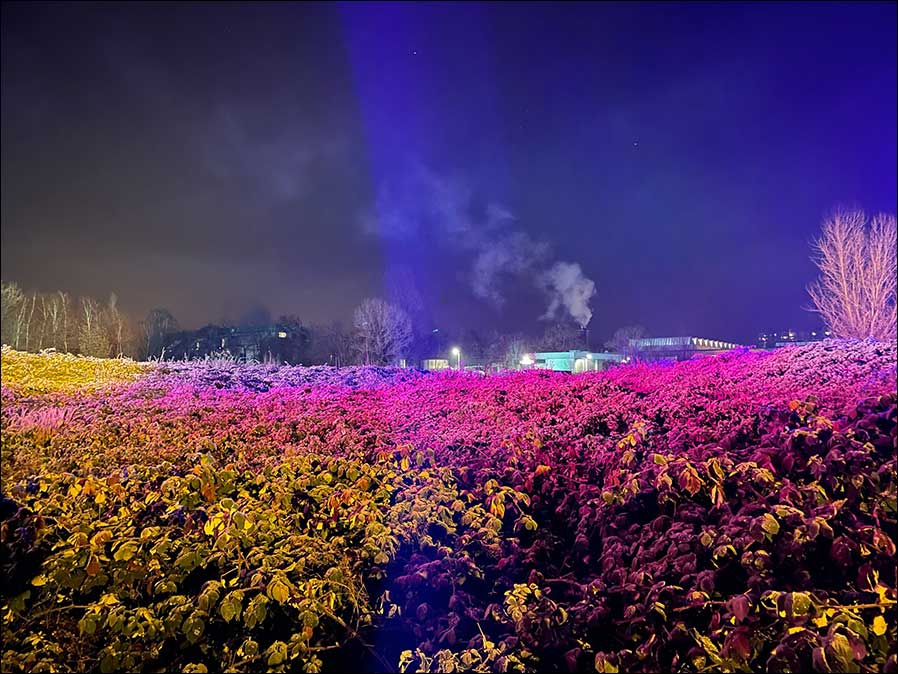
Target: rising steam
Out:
[445,210]
[568,288]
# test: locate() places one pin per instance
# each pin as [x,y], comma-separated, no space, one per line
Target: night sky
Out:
[215,158]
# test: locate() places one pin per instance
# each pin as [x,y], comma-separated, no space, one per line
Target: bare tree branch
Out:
[855,293]
[383,331]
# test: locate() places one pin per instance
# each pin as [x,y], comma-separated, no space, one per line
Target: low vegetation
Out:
[735,513]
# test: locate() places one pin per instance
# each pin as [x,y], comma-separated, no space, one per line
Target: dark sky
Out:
[209,158]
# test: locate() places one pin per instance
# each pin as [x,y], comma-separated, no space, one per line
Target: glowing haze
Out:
[666,164]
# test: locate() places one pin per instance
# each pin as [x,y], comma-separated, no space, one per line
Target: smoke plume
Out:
[447,212]
[568,288]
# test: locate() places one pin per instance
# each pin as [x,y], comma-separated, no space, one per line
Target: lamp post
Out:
[457,353]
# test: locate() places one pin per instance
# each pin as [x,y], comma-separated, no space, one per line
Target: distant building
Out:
[437,364]
[773,340]
[571,361]
[677,348]
[253,343]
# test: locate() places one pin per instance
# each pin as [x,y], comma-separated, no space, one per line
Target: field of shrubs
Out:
[727,514]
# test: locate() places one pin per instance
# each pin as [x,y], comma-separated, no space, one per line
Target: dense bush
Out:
[49,371]
[262,377]
[726,514]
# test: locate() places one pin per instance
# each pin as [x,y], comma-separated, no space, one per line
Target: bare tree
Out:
[92,338]
[855,293]
[64,304]
[332,344]
[52,317]
[157,326]
[622,341]
[21,319]
[562,336]
[505,350]
[116,326]
[11,300]
[43,323]
[383,331]
[514,353]
[29,317]
[36,321]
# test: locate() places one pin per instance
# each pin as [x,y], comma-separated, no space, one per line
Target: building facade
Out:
[572,361]
[276,342]
[677,348]
[774,340]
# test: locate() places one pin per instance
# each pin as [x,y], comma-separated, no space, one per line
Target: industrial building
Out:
[572,361]
[435,364]
[677,348]
[576,361]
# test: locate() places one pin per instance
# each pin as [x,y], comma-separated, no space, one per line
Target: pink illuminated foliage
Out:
[730,513]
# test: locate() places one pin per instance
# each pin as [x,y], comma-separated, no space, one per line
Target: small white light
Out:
[526,360]
[282,334]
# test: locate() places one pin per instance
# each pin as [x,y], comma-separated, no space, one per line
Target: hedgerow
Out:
[728,514]
[30,373]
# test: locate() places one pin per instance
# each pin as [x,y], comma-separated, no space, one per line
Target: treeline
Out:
[32,321]
[380,333]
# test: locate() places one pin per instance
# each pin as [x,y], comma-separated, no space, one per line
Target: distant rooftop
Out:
[697,343]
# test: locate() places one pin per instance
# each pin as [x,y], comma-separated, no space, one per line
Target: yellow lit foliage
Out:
[51,372]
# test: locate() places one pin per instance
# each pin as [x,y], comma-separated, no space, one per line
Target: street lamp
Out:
[526,361]
[457,353]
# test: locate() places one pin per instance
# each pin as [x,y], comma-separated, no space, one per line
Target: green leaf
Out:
[240,521]
[277,653]
[842,648]
[109,663]
[209,596]
[126,551]
[602,665]
[278,589]
[770,525]
[801,603]
[88,624]
[249,649]
[194,627]
[708,645]
[256,611]
[231,606]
